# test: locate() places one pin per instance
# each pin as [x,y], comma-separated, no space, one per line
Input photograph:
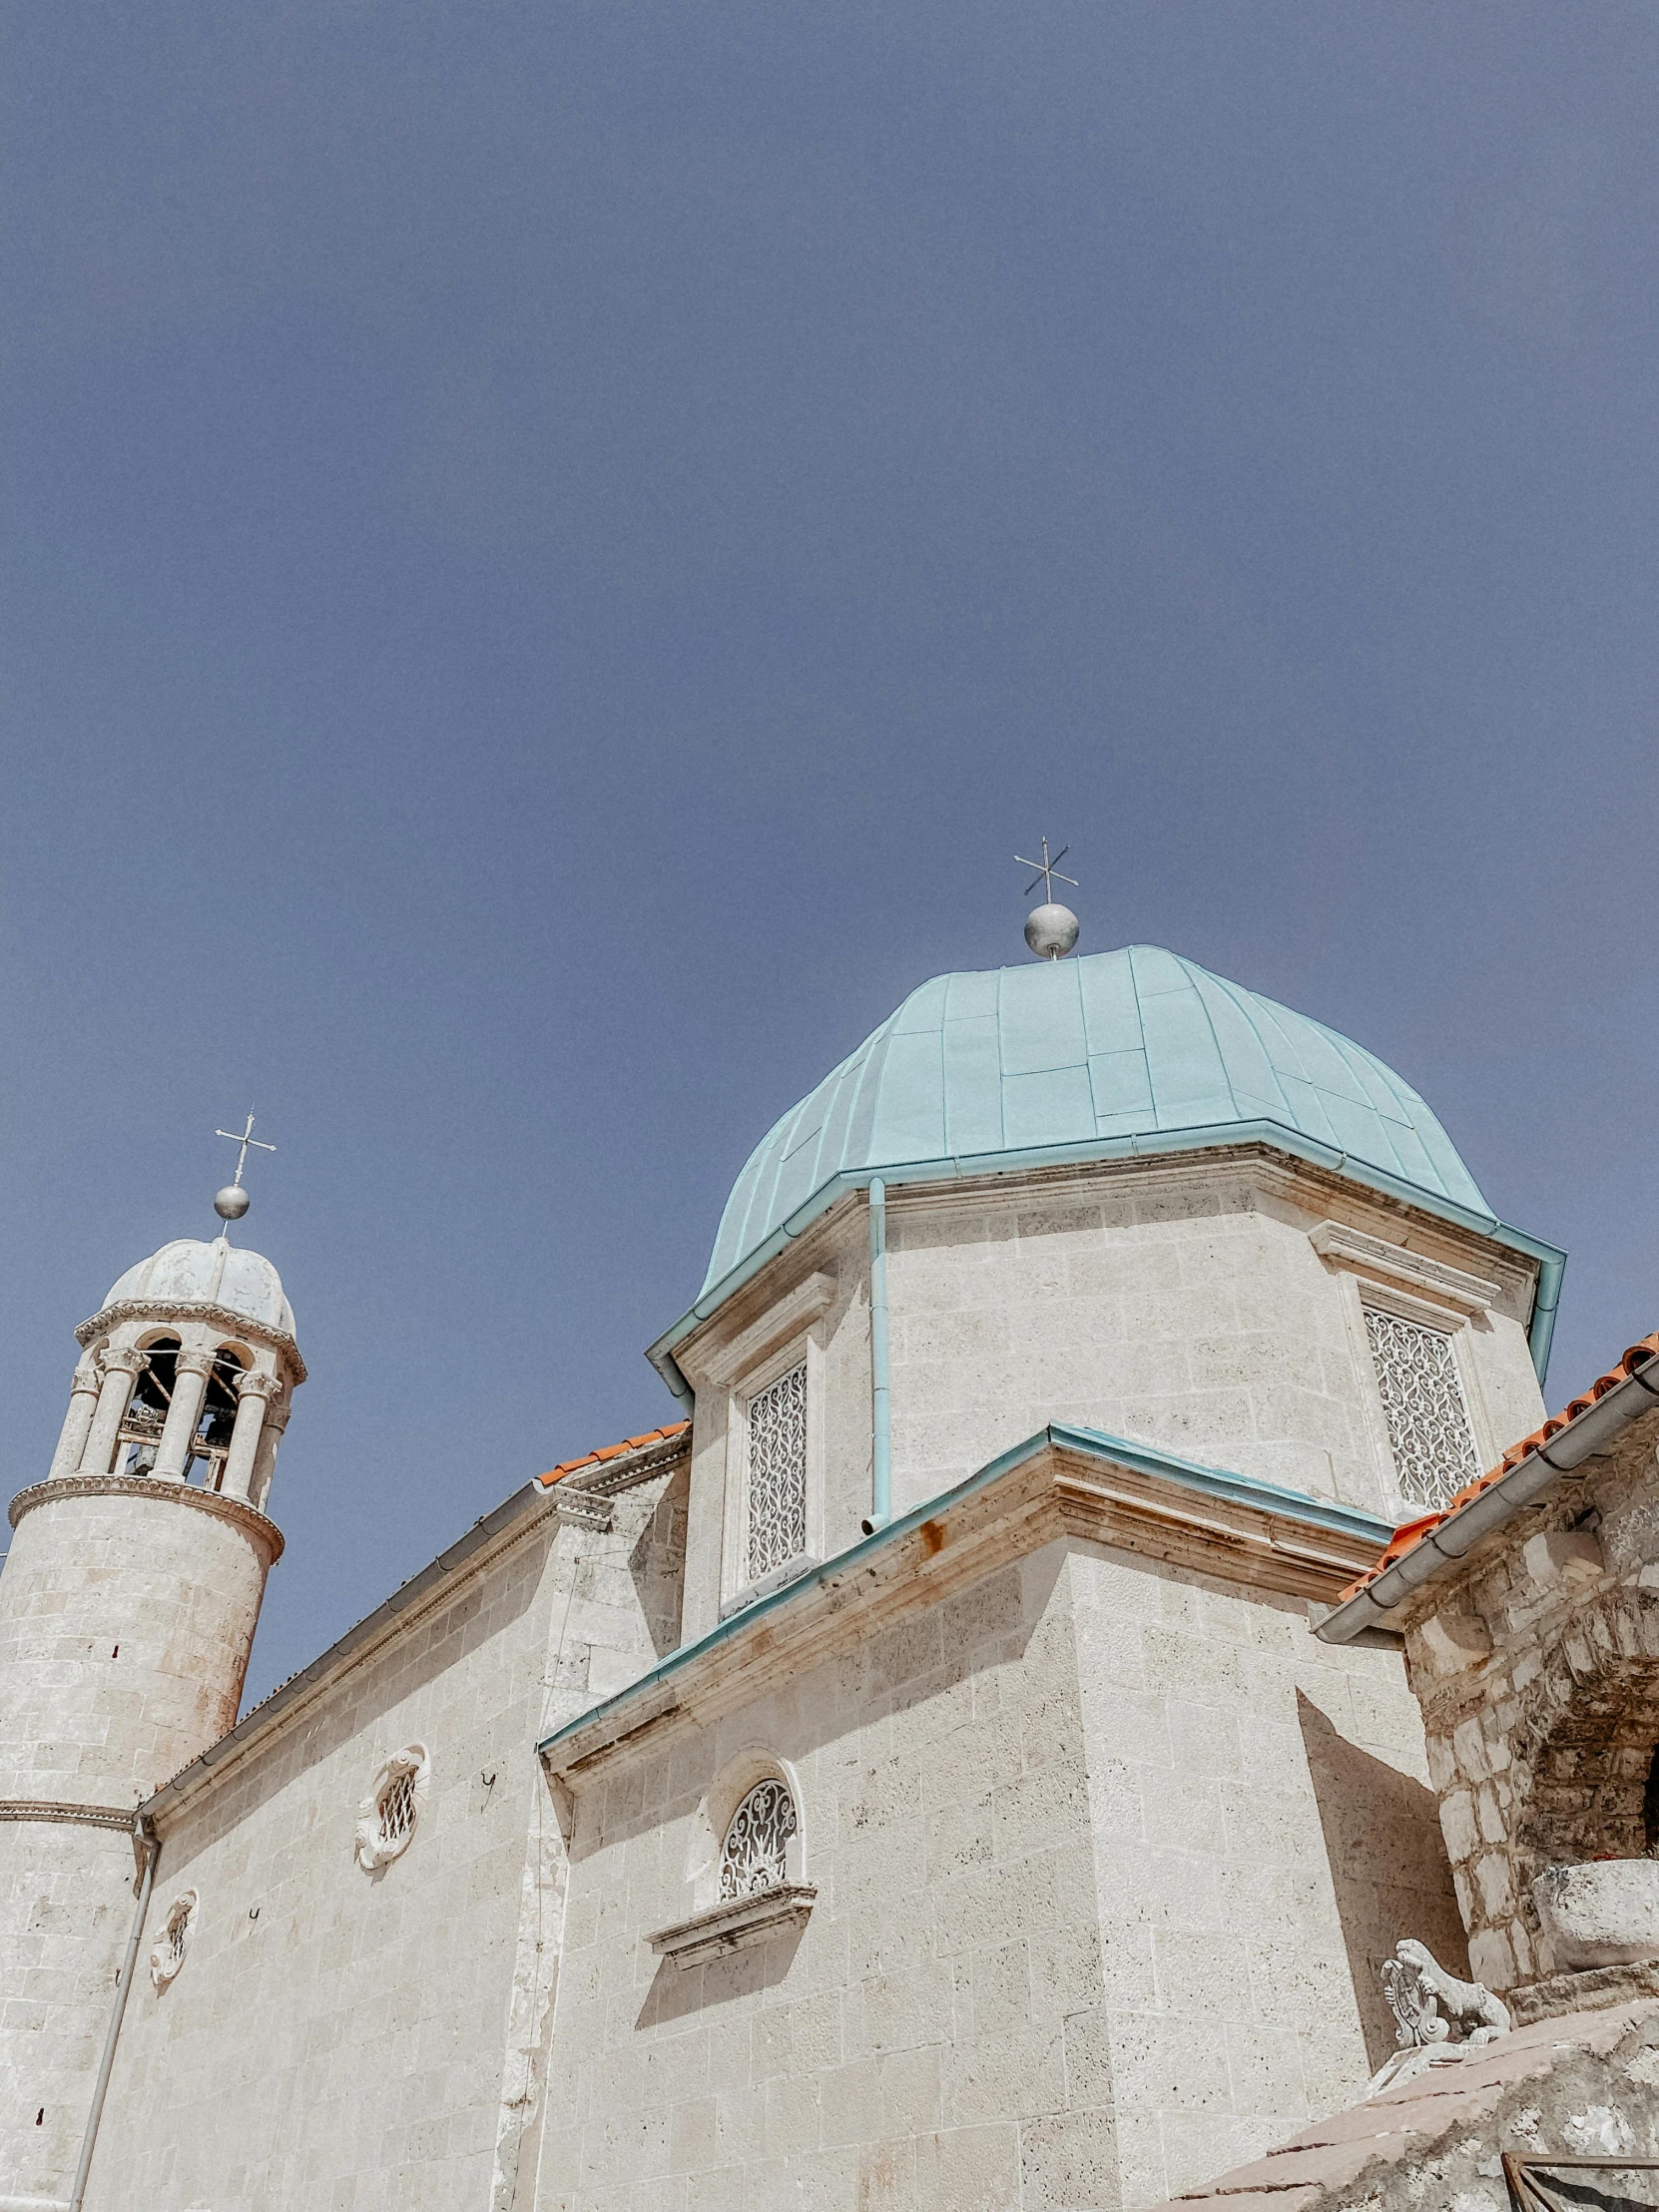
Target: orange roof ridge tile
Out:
[614,1452]
[1412,1533]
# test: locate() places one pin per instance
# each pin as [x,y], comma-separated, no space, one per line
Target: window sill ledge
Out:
[735,1924]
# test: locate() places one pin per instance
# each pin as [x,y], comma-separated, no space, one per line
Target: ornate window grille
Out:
[755,1856]
[178,1920]
[1423,1400]
[389,1815]
[778,1472]
[396,1810]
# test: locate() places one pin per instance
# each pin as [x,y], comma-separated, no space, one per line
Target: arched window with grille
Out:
[755,1854]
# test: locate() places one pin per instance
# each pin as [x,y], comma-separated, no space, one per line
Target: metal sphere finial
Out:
[231,1201]
[1050,930]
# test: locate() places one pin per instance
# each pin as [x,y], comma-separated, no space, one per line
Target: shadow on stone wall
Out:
[657,1562]
[677,1991]
[1388,1863]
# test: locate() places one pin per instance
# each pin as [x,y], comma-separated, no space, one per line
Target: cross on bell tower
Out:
[233,1201]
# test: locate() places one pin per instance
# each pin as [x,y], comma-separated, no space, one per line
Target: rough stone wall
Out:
[1538,1669]
[1076,1924]
[1172,1305]
[1264,1835]
[378,2040]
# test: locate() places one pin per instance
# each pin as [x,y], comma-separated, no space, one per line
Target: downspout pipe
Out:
[1545,1297]
[880,1454]
[146,1836]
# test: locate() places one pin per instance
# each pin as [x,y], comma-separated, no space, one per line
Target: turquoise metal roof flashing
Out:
[1115,1055]
[1242,1489]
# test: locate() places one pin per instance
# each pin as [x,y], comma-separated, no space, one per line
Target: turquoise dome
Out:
[1117,1052]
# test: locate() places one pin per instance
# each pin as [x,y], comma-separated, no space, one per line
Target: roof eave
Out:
[1450,1541]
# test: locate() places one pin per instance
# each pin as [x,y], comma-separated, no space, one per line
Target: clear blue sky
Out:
[553,554]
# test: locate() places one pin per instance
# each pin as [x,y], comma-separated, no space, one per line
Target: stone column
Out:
[121,1371]
[254,1394]
[77,1423]
[265,1462]
[189,1387]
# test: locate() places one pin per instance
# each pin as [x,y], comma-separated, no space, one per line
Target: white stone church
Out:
[979,1753]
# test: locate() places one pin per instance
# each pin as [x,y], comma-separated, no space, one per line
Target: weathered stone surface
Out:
[1604,1914]
[1586,2085]
[1538,1675]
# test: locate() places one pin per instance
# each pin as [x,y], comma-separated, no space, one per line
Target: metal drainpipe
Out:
[880,1507]
[151,1843]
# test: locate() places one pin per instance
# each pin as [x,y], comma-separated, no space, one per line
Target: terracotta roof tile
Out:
[1408,1537]
[614,1452]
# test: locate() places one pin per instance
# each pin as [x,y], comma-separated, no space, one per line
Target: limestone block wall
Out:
[127,1614]
[336,2037]
[1538,1669]
[1263,1836]
[1178,1304]
[65,1907]
[1077,1932]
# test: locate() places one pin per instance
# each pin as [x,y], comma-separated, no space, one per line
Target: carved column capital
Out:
[87,1380]
[194,1362]
[277,1418]
[255,1385]
[126,1359]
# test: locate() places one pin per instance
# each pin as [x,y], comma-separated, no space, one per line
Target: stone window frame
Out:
[799,1345]
[744,1772]
[1415,1288]
[168,1954]
[374,1847]
[770,1795]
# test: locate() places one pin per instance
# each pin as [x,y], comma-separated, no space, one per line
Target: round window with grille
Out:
[390,1814]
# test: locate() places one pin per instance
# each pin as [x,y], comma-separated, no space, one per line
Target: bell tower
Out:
[128,1607]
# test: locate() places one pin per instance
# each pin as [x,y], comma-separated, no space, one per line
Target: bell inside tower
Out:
[139,1440]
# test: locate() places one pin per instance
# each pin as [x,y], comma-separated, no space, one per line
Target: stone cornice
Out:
[264,1534]
[220,1316]
[74,1816]
[1063,1483]
[1363,1255]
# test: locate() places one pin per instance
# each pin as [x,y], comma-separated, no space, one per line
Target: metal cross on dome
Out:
[245,1138]
[1047,870]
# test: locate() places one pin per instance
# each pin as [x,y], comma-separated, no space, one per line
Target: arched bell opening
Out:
[212,1443]
[140,1436]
